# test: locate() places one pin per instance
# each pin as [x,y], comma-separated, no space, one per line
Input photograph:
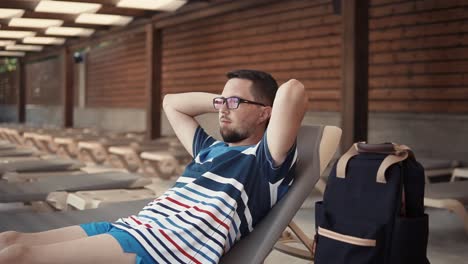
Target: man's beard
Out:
[232,136]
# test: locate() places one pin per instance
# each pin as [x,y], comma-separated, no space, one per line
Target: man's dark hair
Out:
[264,86]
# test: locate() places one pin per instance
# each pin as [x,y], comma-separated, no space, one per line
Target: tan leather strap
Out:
[343,161]
[387,162]
[399,153]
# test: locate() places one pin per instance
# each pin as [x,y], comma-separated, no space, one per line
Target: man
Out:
[223,193]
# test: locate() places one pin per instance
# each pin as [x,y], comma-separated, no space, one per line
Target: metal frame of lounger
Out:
[452,196]
[252,249]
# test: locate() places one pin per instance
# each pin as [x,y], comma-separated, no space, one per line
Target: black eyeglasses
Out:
[231,102]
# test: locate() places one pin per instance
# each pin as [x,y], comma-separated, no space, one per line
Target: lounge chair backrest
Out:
[316,146]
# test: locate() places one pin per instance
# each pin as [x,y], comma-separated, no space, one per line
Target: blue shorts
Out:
[128,243]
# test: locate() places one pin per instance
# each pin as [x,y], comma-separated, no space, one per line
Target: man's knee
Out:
[16,253]
[8,238]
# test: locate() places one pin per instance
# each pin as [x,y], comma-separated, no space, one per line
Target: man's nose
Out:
[224,108]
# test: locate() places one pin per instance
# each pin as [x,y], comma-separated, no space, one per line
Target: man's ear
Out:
[265,114]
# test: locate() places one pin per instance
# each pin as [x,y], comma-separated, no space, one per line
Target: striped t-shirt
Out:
[223,193]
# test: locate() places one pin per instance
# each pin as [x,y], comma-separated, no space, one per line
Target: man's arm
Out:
[181,110]
[288,110]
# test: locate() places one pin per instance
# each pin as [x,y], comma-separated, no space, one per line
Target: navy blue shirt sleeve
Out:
[201,140]
[276,173]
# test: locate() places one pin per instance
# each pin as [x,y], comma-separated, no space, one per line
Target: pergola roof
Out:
[28,9]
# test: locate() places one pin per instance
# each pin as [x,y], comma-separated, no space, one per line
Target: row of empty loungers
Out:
[52,169]
[49,169]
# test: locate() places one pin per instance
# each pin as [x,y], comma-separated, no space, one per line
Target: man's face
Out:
[238,124]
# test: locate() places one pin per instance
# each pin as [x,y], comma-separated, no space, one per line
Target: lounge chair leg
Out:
[282,246]
[301,235]
[320,186]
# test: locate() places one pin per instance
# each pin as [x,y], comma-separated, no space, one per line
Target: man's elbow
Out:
[167,101]
[296,84]
[293,90]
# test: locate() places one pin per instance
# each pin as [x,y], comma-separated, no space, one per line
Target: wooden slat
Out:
[271,7]
[419,68]
[416,81]
[429,55]
[422,106]
[255,40]
[268,65]
[435,42]
[418,56]
[442,15]
[324,105]
[418,30]
[374,3]
[209,11]
[407,7]
[116,73]
[309,84]
[248,23]
[319,74]
[419,94]
[323,47]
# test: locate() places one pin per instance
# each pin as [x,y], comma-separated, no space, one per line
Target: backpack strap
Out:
[396,153]
[343,161]
[400,153]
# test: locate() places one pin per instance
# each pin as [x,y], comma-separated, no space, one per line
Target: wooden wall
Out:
[8,88]
[299,39]
[44,82]
[115,73]
[418,56]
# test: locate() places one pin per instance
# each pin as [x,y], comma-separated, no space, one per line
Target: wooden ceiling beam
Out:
[102,2]
[24,4]
[69,20]
[34,14]
[199,10]
[4,26]
[108,7]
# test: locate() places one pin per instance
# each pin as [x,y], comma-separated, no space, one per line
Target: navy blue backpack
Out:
[373,208]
